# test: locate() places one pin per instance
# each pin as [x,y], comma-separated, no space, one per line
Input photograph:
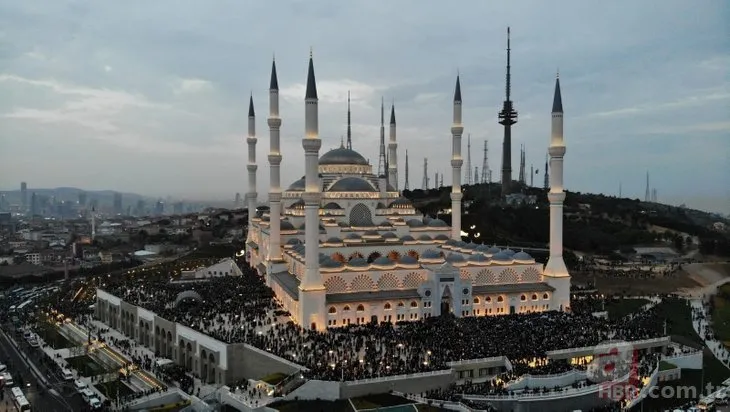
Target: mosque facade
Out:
[341,246]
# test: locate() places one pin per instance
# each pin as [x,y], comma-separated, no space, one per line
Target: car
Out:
[94,403]
[87,394]
[80,385]
[7,379]
[3,367]
[67,375]
[33,343]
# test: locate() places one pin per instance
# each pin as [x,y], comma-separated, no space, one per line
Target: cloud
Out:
[706,97]
[193,86]
[329,91]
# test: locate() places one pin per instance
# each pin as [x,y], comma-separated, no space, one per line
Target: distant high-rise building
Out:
[94,203]
[34,207]
[139,210]
[117,203]
[82,199]
[237,201]
[23,197]
[160,207]
[179,208]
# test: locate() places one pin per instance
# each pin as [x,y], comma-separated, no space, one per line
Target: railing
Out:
[558,352]
[399,377]
[535,380]
[473,361]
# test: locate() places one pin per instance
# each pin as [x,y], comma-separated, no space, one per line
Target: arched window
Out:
[387,306]
[488,299]
[523,298]
[401,304]
[476,301]
[500,299]
[534,296]
[360,308]
[545,296]
[333,309]
[346,308]
[414,304]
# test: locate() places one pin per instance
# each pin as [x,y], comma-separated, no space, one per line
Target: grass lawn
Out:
[50,334]
[665,366]
[113,389]
[379,401]
[86,366]
[312,406]
[619,308]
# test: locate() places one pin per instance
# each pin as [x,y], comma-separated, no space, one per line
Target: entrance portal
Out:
[374,319]
[445,309]
[511,310]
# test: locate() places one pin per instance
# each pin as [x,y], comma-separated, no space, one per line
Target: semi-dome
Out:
[390,235]
[297,186]
[425,238]
[407,238]
[352,184]
[332,206]
[299,204]
[381,206]
[430,254]
[493,250]
[441,237]
[478,258]
[358,262]
[502,257]
[437,223]
[508,252]
[342,156]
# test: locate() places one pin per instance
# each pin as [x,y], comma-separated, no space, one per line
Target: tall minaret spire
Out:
[468,159]
[507,117]
[392,152]
[406,186]
[546,184]
[556,273]
[311,289]
[381,155]
[456,161]
[349,123]
[274,122]
[251,140]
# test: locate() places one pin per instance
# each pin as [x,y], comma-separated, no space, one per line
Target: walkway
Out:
[701,324]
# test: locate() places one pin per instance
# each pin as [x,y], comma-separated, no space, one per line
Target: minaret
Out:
[546,184]
[381,157]
[456,161]
[532,175]
[274,122]
[647,195]
[468,159]
[349,123]
[251,140]
[424,186]
[406,185]
[507,117]
[392,152]
[311,290]
[93,223]
[556,273]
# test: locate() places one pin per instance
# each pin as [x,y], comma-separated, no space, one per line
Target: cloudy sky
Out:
[151,96]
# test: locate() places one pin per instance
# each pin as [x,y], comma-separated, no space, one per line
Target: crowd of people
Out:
[616,269]
[237,309]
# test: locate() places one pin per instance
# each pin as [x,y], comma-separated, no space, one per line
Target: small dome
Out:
[407,238]
[508,252]
[334,240]
[358,262]
[523,257]
[343,224]
[482,248]
[381,205]
[351,184]
[452,242]
[455,258]
[286,225]
[414,223]
[437,223]
[479,258]
[382,261]
[389,235]
[297,186]
[353,236]
[502,257]
[401,203]
[408,260]
[426,220]
[470,246]
[441,237]
[342,156]
[425,238]
[293,241]
[460,244]
[299,204]
[430,254]
[299,249]
[385,223]
[331,264]
[493,250]
[331,206]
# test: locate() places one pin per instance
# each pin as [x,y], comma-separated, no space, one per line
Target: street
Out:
[59,396]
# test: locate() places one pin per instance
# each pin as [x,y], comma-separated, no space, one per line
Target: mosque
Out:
[341,246]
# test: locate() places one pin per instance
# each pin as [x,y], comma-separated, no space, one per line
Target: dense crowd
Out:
[633,270]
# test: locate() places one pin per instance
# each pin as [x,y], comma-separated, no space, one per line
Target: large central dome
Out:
[342,156]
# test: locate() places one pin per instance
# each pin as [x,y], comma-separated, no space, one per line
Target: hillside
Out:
[593,223]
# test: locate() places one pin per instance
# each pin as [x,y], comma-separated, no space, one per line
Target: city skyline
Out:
[109,98]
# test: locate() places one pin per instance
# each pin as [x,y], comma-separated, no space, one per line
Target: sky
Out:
[152,97]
